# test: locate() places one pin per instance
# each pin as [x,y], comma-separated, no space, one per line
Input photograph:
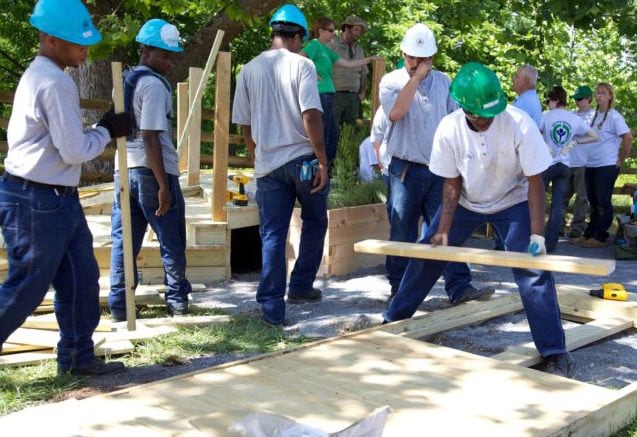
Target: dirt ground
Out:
[356,301]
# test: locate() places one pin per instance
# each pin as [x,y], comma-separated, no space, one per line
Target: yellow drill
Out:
[238,198]
[610,291]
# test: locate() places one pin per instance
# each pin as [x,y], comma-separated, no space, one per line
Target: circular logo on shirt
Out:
[560,133]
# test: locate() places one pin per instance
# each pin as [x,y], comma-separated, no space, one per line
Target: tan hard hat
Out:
[353,20]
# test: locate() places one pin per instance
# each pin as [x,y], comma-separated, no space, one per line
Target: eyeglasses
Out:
[580,99]
[329,30]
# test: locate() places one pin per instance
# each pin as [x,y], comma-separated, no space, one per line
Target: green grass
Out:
[25,386]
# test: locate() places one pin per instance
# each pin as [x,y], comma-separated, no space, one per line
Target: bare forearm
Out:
[450,196]
[154,157]
[536,204]
[403,102]
[624,150]
[247,137]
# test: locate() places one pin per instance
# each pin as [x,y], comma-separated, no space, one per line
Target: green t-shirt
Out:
[323,58]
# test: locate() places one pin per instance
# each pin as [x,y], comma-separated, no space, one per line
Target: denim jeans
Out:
[330,129]
[48,243]
[170,229]
[537,288]
[600,182]
[577,186]
[416,192]
[558,175]
[276,196]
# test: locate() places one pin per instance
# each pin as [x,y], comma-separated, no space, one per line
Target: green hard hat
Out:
[477,90]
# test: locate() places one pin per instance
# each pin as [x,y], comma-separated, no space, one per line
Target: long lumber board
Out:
[527,355]
[554,263]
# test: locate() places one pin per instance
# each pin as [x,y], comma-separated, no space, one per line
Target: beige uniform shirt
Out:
[348,79]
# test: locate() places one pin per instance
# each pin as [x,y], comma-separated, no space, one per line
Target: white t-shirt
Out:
[579,153]
[494,165]
[410,138]
[605,152]
[152,106]
[380,124]
[558,127]
[273,90]
[367,158]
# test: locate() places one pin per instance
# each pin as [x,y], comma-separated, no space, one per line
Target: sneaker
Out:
[95,368]
[592,243]
[472,293]
[309,296]
[174,311]
[558,364]
[575,233]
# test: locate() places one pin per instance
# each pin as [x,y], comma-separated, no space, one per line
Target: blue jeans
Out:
[600,182]
[558,175]
[48,242]
[276,195]
[537,288]
[330,129]
[170,229]
[416,191]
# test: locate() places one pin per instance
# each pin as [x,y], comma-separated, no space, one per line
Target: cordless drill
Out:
[610,291]
[238,198]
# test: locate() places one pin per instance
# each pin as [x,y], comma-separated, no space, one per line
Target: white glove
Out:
[567,148]
[536,245]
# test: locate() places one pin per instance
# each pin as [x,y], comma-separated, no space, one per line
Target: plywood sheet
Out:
[334,383]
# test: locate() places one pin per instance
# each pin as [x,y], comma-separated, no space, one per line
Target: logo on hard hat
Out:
[420,42]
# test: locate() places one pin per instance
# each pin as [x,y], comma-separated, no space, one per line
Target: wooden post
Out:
[182,115]
[212,56]
[124,200]
[194,135]
[378,73]
[222,131]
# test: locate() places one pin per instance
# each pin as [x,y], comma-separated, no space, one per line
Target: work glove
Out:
[118,125]
[567,148]
[536,245]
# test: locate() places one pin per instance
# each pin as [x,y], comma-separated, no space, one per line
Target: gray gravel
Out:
[356,301]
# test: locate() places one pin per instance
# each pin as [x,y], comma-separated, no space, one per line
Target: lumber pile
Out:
[36,340]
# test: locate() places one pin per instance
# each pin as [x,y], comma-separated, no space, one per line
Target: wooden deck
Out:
[329,384]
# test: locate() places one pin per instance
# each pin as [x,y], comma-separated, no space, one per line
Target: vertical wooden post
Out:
[222,133]
[378,73]
[182,115]
[194,136]
[124,200]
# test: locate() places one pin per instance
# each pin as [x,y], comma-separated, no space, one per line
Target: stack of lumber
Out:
[36,340]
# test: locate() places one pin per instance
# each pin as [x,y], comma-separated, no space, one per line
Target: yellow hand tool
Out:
[610,291]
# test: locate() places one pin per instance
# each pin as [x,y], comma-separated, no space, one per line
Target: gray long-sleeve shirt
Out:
[47,142]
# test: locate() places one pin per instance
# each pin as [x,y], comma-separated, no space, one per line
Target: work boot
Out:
[577,241]
[472,293]
[575,233]
[592,243]
[558,364]
[307,296]
[94,368]
[176,311]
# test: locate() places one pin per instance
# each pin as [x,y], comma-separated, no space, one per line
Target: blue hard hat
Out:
[290,14]
[65,19]
[161,34]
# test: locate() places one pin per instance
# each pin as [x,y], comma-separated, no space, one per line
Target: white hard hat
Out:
[419,41]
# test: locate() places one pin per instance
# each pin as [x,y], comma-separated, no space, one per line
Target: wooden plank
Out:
[242,216]
[378,71]
[187,321]
[555,263]
[49,322]
[575,300]
[40,337]
[340,217]
[222,129]
[194,135]
[142,332]
[182,115]
[12,348]
[196,256]
[527,355]
[124,196]
[203,275]
[455,317]
[26,359]
[117,347]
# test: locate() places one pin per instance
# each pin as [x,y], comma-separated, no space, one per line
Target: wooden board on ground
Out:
[26,359]
[334,383]
[555,263]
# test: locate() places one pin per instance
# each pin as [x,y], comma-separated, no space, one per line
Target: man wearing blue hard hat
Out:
[278,107]
[47,239]
[155,196]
